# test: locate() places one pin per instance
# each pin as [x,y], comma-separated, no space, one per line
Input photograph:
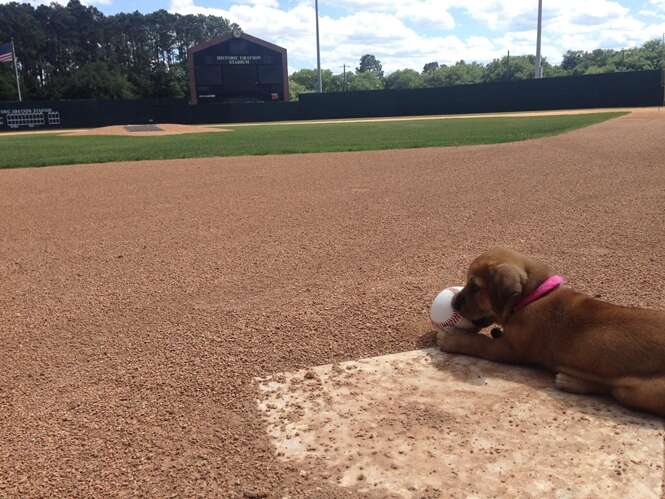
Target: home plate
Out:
[427,424]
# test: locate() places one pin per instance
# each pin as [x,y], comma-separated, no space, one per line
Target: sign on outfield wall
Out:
[38,117]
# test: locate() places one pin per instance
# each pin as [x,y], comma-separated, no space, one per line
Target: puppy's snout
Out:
[458,301]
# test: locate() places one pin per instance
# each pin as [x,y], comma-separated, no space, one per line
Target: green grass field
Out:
[42,150]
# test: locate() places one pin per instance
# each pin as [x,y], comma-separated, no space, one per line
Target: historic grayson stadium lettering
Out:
[239,59]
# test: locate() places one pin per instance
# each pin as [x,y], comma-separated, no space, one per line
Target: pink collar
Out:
[548,285]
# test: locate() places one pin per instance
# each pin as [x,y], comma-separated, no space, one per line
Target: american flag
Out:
[6,52]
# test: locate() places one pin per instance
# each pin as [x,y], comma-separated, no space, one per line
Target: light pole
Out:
[318,47]
[539,67]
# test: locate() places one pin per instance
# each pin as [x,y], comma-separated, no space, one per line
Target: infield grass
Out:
[51,149]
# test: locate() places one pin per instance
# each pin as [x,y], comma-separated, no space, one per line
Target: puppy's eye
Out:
[473,286]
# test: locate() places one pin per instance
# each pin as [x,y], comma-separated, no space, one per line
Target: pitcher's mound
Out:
[148,130]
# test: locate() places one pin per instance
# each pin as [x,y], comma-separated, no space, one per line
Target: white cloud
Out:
[398,32]
[344,39]
[658,4]
[427,12]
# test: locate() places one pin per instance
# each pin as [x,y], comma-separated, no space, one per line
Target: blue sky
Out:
[409,33]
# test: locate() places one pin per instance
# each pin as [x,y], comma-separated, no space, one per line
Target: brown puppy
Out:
[592,346]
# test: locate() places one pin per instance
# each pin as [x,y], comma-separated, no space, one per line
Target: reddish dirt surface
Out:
[140,300]
[165,129]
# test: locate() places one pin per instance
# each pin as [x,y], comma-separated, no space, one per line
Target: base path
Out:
[426,424]
[142,302]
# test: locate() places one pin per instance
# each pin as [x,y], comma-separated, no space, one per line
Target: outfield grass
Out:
[42,150]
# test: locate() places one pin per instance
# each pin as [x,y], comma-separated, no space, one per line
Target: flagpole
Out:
[18,83]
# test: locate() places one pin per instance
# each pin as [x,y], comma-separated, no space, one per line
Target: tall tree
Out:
[406,78]
[7,84]
[308,79]
[370,63]
[521,67]
[367,80]
[295,89]
[54,42]
[96,80]
[430,66]
[458,74]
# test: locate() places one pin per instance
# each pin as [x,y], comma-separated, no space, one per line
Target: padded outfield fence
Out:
[626,89]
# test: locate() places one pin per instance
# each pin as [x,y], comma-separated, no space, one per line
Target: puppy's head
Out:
[496,282]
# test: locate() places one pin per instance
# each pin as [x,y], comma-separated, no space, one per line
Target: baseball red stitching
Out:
[452,320]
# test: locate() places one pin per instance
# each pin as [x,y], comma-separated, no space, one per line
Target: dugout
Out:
[237,67]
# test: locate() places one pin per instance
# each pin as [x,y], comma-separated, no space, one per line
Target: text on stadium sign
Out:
[239,59]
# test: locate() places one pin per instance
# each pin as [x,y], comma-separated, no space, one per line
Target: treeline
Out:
[75,51]
[369,74]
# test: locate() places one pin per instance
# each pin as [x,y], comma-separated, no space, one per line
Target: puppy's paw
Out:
[447,339]
[564,382]
[574,385]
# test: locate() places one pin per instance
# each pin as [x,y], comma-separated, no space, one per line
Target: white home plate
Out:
[427,424]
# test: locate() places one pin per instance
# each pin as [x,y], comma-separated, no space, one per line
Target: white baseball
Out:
[442,313]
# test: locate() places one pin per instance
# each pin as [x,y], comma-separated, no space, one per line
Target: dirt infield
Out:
[139,301]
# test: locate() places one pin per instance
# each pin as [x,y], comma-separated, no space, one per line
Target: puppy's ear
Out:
[505,289]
